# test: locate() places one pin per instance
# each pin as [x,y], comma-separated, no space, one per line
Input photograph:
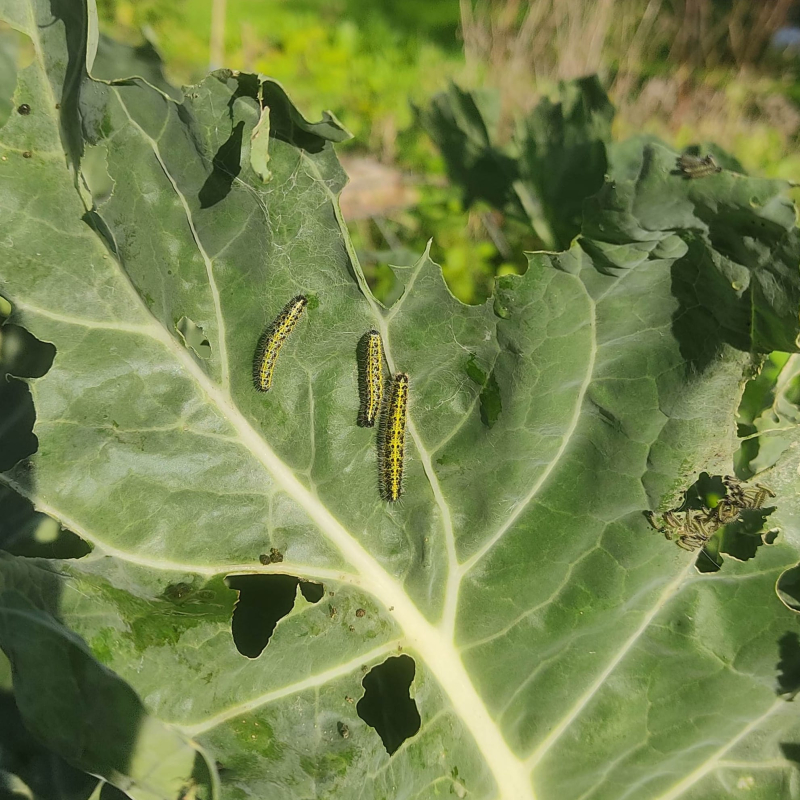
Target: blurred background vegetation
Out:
[684,70]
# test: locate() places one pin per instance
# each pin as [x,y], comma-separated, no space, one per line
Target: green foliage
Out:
[349,57]
[560,647]
[462,244]
[556,160]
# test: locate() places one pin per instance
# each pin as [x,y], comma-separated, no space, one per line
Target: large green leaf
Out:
[561,648]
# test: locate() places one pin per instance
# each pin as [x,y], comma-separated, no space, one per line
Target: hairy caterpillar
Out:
[696,527]
[695,167]
[271,341]
[392,439]
[370,363]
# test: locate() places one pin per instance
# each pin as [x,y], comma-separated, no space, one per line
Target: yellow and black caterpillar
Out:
[370,367]
[271,341]
[392,439]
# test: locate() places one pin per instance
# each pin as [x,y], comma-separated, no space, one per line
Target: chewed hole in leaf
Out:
[22,354]
[719,515]
[788,588]
[263,601]
[109,792]
[194,337]
[313,592]
[789,664]
[387,705]
[28,533]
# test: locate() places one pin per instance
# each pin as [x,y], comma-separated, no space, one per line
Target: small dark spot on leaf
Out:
[332,612]
[351,628]
[275,555]
[360,612]
[58,105]
[27,154]
[264,559]
[387,705]
[608,417]
[177,591]
[263,601]
[24,109]
[344,731]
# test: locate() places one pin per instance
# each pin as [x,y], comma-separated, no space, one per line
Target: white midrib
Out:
[438,653]
[449,608]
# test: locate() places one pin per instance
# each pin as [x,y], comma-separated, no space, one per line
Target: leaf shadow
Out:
[23,530]
[225,168]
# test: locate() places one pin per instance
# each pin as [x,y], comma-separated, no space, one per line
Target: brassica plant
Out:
[252,620]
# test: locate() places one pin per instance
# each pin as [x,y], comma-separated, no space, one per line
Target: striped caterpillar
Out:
[370,364]
[271,341]
[392,439]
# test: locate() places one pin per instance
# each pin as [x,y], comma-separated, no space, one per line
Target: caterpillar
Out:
[695,167]
[271,341]
[392,440]
[370,363]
